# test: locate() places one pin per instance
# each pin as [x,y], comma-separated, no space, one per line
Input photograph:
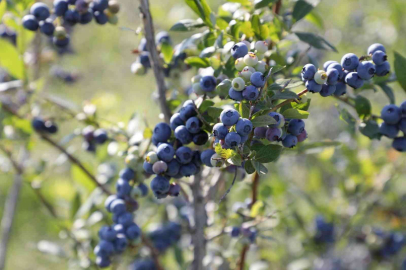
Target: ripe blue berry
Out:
[239,50]
[174,190]
[117,207]
[144,59]
[208,83]
[296,126]
[148,167]
[125,219]
[327,90]
[187,111]
[123,188]
[376,47]
[229,117]
[71,16]
[233,139]
[103,262]
[379,57]
[173,168]
[332,76]
[165,152]
[302,136]
[391,114]
[183,135]
[383,70]
[243,127]
[184,155]
[38,124]
[279,118]
[206,155]
[30,23]
[133,231]
[402,125]
[100,5]
[162,132]
[366,70]
[313,87]
[350,61]
[86,17]
[235,95]
[160,186]
[47,27]
[220,131]
[308,72]
[127,174]
[159,167]
[200,138]
[353,80]
[403,108]
[193,125]
[100,136]
[250,93]
[61,42]
[235,232]
[341,89]
[290,141]
[327,64]
[257,79]
[100,17]
[188,169]
[390,131]
[120,243]
[162,37]
[339,68]
[60,7]
[107,233]
[399,144]
[40,11]
[260,132]
[176,121]
[109,201]
[273,134]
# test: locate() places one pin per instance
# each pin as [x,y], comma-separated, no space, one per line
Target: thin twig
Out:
[154,252]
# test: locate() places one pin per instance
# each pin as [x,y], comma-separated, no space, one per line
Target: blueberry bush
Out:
[243,170]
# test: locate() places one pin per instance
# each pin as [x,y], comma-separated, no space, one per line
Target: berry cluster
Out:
[41,125]
[92,137]
[250,233]
[290,131]
[324,231]
[143,264]
[352,71]
[8,34]
[394,118]
[392,243]
[70,12]
[166,236]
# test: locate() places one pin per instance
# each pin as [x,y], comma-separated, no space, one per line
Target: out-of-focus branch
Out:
[154,252]
[155,61]
[200,220]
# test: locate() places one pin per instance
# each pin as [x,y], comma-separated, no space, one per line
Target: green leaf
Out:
[244,110]
[205,105]
[242,2]
[347,117]
[75,205]
[10,59]
[276,69]
[315,19]
[315,41]
[301,9]
[263,121]
[186,25]
[388,91]
[3,8]
[249,167]
[167,52]
[266,153]
[214,112]
[207,52]
[219,41]
[147,133]
[263,3]
[256,25]
[223,87]
[285,95]
[362,106]
[202,9]
[257,209]
[259,167]
[295,114]
[400,67]
[198,62]
[370,129]
[235,159]
[81,178]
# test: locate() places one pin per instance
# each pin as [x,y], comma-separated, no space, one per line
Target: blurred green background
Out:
[102,57]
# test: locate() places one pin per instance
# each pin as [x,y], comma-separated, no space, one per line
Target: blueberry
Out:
[279,118]
[290,141]
[350,61]
[239,50]
[187,111]
[100,136]
[391,114]
[50,127]
[100,17]
[341,89]
[208,83]
[184,154]
[86,17]
[235,232]
[143,188]
[313,87]
[399,144]
[243,127]
[390,131]
[118,207]
[38,124]
[100,5]
[72,2]
[183,135]
[366,70]
[353,80]
[47,27]
[308,72]
[123,188]
[233,139]
[133,232]
[103,262]
[173,168]
[339,68]
[165,152]
[159,167]
[119,228]
[328,64]
[383,70]
[238,84]
[250,93]
[142,47]
[376,47]
[379,57]
[107,233]
[273,134]
[126,219]
[260,132]
[162,132]
[30,23]
[148,167]
[82,6]
[235,95]
[61,42]
[193,125]
[188,169]
[332,76]
[257,79]
[200,138]
[174,190]
[196,158]
[160,186]
[120,243]
[296,126]
[206,155]
[127,174]
[176,121]
[72,17]
[144,265]
[162,37]
[220,131]
[60,7]
[104,248]
[302,136]
[144,59]
[89,146]
[229,117]
[109,201]
[327,90]
[402,125]
[40,11]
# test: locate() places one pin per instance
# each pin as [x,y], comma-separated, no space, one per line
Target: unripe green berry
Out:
[239,64]
[196,79]
[261,47]
[60,32]
[320,77]
[216,161]
[247,43]
[113,19]
[260,56]
[132,162]
[250,59]
[136,193]
[114,6]
[261,66]
[151,157]
[197,89]
[238,84]
[246,73]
